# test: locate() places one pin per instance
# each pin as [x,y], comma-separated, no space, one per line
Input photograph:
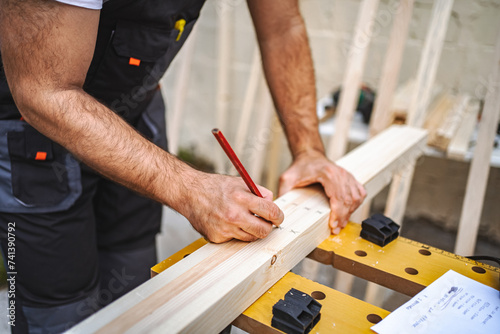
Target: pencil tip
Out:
[215,130]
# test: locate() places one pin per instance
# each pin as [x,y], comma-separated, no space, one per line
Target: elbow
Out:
[26,98]
[36,101]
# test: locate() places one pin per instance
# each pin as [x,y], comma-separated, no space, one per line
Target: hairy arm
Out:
[46,50]
[289,72]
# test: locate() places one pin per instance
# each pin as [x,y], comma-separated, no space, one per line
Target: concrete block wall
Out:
[465,64]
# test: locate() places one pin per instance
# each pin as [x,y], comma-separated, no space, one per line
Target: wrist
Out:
[174,186]
[309,152]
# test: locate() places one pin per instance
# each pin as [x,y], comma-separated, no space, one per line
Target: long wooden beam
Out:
[208,289]
[381,115]
[429,62]
[480,165]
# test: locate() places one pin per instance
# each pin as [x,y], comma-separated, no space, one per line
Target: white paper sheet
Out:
[451,304]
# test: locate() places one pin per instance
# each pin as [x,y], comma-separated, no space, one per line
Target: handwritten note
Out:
[451,304]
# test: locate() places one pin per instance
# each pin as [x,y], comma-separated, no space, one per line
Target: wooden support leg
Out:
[429,62]
[480,166]
[381,116]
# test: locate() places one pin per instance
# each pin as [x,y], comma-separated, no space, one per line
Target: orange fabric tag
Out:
[41,156]
[134,61]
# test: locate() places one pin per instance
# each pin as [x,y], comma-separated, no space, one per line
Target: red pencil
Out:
[236,162]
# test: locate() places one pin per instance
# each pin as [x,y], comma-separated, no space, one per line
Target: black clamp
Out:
[379,229]
[298,313]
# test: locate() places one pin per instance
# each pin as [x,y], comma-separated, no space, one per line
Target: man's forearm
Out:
[46,51]
[289,72]
[105,142]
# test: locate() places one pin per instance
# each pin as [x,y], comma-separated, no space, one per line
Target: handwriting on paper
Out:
[452,304]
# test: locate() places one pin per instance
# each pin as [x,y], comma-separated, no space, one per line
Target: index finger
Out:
[266,193]
[267,210]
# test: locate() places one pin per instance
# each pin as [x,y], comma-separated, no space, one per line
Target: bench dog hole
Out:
[478,270]
[424,252]
[360,253]
[373,318]
[318,295]
[411,271]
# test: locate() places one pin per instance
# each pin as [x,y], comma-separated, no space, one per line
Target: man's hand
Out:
[344,192]
[288,67]
[222,208]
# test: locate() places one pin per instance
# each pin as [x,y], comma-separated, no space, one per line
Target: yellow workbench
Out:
[403,265]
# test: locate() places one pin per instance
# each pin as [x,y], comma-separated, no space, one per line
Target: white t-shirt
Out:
[90,4]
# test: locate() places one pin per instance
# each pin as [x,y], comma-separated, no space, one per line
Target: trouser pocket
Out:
[36,174]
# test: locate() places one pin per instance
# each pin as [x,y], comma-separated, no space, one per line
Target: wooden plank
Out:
[336,313]
[480,165]
[210,288]
[429,61]
[372,151]
[403,265]
[352,79]
[459,144]
[381,116]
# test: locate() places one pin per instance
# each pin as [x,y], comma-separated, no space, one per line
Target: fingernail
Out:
[336,230]
[335,224]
